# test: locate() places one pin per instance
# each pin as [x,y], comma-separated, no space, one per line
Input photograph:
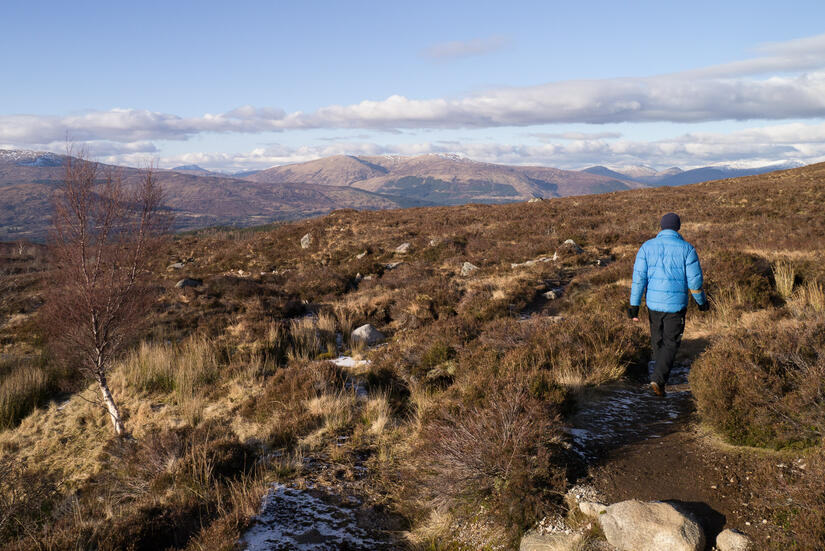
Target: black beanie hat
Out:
[670,221]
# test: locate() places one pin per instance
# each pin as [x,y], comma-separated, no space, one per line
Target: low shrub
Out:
[501,453]
[766,387]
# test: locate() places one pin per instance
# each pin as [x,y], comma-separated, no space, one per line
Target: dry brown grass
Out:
[785,275]
[454,343]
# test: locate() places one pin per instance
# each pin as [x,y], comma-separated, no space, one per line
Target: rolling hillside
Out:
[27,180]
[443,179]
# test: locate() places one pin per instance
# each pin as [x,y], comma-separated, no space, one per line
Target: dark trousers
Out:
[666,330]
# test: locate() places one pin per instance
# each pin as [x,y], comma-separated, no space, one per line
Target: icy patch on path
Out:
[624,412]
[293,519]
[349,361]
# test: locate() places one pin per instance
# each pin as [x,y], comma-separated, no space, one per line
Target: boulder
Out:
[467,269]
[733,540]
[533,541]
[188,282]
[367,334]
[403,248]
[650,526]
[306,241]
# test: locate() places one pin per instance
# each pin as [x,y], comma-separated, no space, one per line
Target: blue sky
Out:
[253,84]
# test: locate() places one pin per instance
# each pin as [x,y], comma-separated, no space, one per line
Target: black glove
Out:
[633,312]
[705,306]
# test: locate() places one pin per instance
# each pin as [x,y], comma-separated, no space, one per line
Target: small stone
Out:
[367,334]
[392,265]
[175,266]
[733,540]
[467,269]
[570,244]
[306,241]
[550,295]
[403,248]
[434,242]
[361,255]
[533,541]
[188,282]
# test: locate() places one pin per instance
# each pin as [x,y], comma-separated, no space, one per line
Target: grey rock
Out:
[573,246]
[592,508]
[550,295]
[403,248]
[175,266]
[188,282]
[533,541]
[604,261]
[733,540]
[650,526]
[467,269]
[306,241]
[392,265]
[361,255]
[434,242]
[367,334]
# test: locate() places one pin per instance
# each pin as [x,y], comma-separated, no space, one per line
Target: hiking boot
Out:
[657,390]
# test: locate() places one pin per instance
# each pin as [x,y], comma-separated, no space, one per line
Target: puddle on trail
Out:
[305,520]
[626,412]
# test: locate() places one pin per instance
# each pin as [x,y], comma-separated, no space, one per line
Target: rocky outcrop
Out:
[367,334]
[650,526]
[306,241]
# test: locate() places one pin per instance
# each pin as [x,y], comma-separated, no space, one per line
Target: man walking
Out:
[668,268]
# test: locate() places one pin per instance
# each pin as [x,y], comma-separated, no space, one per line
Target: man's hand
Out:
[633,313]
[705,306]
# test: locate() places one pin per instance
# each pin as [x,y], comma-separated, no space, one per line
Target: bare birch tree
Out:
[103,234]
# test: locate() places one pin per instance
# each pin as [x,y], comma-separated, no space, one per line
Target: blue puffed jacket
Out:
[668,267]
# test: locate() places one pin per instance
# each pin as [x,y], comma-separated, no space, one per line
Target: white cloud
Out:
[733,91]
[466,48]
[549,136]
[757,146]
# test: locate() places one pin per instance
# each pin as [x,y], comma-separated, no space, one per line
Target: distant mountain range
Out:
[443,179]
[201,198]
[678,177]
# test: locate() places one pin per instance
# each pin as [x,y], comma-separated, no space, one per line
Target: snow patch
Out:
[293,519]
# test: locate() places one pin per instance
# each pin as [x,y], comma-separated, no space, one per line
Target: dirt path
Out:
[639,446]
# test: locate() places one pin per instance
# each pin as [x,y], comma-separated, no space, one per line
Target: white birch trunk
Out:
[114,413]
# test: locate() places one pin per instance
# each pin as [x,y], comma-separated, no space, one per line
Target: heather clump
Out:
[765,387]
